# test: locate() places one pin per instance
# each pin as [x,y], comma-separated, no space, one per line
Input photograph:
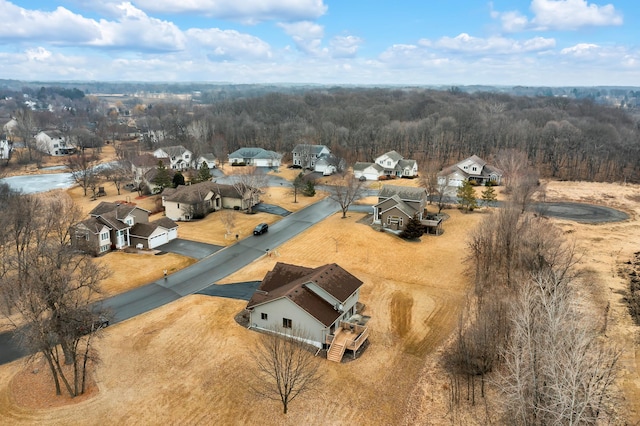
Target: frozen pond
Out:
[30,184]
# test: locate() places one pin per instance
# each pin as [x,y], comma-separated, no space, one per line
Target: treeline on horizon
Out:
[563,138]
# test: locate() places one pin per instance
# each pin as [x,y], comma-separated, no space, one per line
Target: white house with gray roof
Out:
[473,168]
[175,157]
[388,164]
[257,157]
[306,155]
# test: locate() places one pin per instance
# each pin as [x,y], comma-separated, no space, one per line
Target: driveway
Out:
[241,291]
[189,248]
[272,209]
[578,212]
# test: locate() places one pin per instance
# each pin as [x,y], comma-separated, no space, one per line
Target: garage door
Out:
[158,240]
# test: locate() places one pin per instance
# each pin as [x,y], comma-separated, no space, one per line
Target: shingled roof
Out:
[404,192]
[291,281]
[191,194]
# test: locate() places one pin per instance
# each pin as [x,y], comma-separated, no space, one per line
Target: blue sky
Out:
[406,42]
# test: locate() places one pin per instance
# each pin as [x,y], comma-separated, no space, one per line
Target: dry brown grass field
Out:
[188,362]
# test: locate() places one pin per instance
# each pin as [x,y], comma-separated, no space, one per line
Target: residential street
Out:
[226,261]
[200,275]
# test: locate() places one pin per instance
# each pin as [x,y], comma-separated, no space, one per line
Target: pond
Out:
[30,184]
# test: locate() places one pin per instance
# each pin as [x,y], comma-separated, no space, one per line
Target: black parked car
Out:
[261,229]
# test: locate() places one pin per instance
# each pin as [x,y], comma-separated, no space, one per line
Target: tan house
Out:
[399,204]
[321,301]
[115,226]
[187,202]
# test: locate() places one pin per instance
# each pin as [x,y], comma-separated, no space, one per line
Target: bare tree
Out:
[26,129]
[52,288]
[285,366]
[83,169]
[118,173]
[249,182]
[345,190]
[228,219]
[557,370]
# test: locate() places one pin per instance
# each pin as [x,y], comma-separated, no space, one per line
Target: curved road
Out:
[224,262]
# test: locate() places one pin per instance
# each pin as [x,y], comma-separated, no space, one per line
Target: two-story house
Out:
[474,169]
[397,205]
[388,164]
[305,155]
[175,157]
[112,226]
[187,202]
[321,301]
[53,142]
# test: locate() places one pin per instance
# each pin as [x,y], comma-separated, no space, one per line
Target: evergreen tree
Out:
[467,196]
[413,230]
[204,175]
[178,179]
[489,196]
[298,186]
[162,179]
[310,189]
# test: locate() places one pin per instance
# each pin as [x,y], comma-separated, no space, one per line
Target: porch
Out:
[350,335]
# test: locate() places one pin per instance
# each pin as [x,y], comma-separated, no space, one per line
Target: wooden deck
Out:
[348,336]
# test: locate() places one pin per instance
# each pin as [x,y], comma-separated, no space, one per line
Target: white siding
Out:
[281,308]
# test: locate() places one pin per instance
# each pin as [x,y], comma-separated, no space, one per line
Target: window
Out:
[475,168]
[104,236]
[129,221]
[104,248]
[394,219]
[264,316]
[286,323]
[388,162]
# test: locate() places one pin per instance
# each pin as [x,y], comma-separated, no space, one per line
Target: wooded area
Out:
[563,137]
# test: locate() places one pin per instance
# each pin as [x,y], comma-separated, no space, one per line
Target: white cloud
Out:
[135,28]
[572,14]
[464,43]
[132,29]
[59,26]
[247,11]
[560,15]
[344,46]
[229,44]
[306,35]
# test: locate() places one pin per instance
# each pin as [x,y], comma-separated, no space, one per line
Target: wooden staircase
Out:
[336,350]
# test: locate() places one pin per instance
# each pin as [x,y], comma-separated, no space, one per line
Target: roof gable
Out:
[292,281]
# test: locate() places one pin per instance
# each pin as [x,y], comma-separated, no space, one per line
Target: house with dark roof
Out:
[175,157]
[110,226]
[305,155]
[399,204]
[474,169]
[388,164]
[187,202]
[320,301]
[257,157]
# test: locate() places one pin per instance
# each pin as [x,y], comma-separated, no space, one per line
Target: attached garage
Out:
[148,235]
[169,225]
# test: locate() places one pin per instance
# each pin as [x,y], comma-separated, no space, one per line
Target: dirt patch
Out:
[400,308]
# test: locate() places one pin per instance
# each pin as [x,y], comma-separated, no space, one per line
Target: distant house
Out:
[53,142]
[208,159]
[257,157]
[321,301]
[367,171]
[474,169]
[388,164]
[114,226]
[187,202]
[10,128]
[328,164]
[175,157]
[306,155]
[141,164]
[5,149]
